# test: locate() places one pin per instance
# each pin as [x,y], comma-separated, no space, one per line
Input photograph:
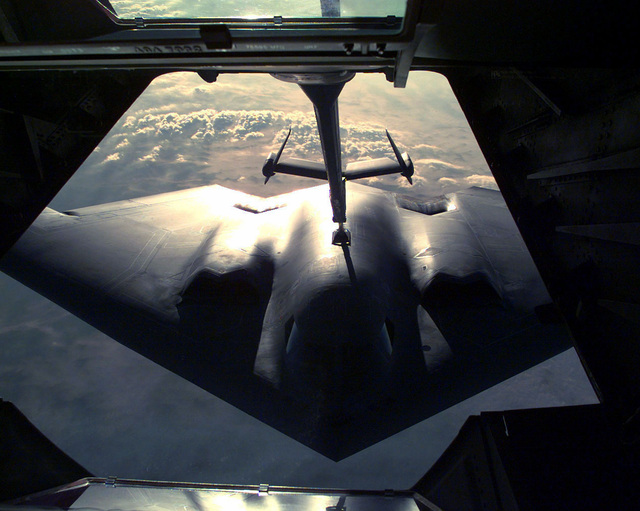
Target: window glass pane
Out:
[128,9]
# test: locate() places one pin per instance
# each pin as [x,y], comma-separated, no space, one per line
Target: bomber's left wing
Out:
[142,254]
[182,278]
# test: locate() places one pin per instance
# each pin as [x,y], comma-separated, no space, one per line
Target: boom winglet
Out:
[403,160]
[268,169]
[323,90]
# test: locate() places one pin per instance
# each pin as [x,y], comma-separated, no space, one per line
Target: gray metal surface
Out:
[336,346]
[558,458]
[112,493]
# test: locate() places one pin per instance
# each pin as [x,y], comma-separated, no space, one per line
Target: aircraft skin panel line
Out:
[326,343]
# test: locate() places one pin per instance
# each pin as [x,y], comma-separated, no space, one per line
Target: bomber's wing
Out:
[485,313]
[142,254]
[182,278]
[563,147]
[208,283]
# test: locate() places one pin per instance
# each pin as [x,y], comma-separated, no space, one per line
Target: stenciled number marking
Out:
[174,48]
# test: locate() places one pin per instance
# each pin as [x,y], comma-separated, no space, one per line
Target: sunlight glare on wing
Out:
[242,236]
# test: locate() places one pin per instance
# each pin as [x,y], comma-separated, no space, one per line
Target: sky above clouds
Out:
[254,8]
[119,414]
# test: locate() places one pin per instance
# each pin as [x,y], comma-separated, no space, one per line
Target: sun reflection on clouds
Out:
[482,180]
[200,137]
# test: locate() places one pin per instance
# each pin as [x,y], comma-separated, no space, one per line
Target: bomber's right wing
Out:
[564,147]
[488,314]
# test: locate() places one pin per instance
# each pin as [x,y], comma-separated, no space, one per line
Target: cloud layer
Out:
[198,140]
